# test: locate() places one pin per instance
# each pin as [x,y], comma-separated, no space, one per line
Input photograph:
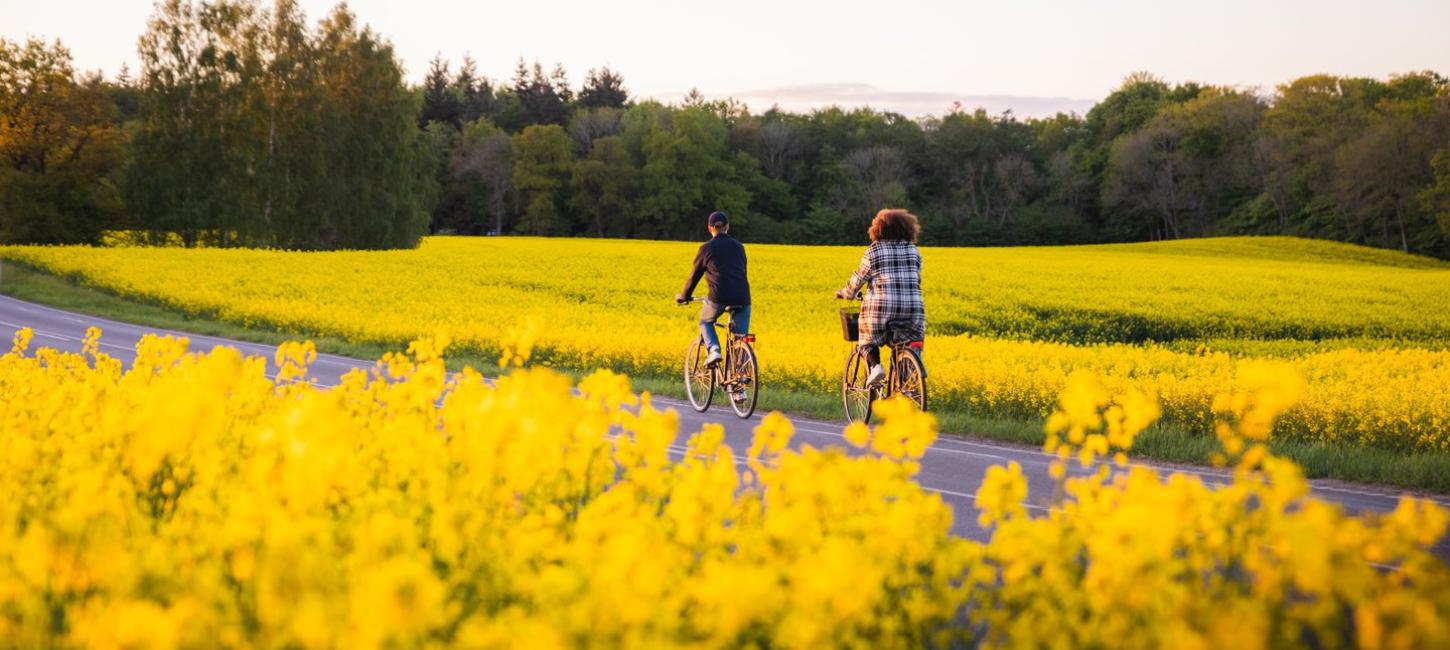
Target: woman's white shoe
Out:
[877,374]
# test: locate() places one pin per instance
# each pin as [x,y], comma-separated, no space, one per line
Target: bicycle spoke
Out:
[699,379]
[856,395]
[744,385]
[911,382]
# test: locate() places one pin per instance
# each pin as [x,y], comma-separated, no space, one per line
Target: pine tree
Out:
[474,93]
[559,82]
[542,99]
[440,103]
[603,88]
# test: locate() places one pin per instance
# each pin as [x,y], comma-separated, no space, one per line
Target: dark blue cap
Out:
[718,219]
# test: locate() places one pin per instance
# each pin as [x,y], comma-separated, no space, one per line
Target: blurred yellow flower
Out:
[194,502]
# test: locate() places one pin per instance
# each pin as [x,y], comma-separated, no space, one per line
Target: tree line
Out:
[247,127]
[244,127]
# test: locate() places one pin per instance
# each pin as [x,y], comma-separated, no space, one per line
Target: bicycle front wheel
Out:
[910,377]
[699,378]
[743,386]
[856,394]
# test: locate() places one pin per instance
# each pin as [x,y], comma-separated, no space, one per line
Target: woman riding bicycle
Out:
[891,267]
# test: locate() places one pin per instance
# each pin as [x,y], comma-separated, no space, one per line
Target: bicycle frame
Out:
[900,351]
[729,341]
[742,389]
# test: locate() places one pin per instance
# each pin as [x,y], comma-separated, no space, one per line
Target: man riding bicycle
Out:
[721,261]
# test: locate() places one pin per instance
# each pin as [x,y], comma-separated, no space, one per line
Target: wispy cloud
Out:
[805,97]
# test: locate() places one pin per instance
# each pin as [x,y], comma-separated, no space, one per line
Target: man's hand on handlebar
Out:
[680,299]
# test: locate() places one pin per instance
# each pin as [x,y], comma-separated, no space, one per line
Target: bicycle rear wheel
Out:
[699,378]
[744,381]
[909,377]
[856,395]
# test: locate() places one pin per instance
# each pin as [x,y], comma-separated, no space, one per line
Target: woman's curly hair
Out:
[894,224]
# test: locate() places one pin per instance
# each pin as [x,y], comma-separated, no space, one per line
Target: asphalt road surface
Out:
[953,467]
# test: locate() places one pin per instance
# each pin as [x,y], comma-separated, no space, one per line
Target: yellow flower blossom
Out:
[772,435]
[1351,321]
[1003,491]
[858,434]
[192,501]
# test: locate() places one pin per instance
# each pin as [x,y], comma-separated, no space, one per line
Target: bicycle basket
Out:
[851,323]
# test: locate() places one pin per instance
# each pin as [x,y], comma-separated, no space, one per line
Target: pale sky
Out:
[915,57]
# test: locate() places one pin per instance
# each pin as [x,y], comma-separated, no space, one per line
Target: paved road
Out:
[953,467]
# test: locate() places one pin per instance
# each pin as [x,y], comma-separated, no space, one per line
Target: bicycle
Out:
[905,370]
[737,373]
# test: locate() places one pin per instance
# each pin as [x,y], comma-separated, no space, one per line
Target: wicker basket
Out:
[851,323]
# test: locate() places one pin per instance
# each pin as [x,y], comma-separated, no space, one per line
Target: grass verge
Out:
[1417,471]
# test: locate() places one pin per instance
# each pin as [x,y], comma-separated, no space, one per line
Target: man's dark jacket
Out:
[721,261]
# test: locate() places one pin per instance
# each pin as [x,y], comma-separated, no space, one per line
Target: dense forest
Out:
[246,126]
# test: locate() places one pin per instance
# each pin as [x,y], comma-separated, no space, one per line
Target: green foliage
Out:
[604,88]
[481,176]
[440,104]
[686,172]
[1185,170]
[537,98]
[1436,198]
[256,131]
[379,169]
[58,149]
[540,174]
[252,129]
[1131,106]
[604,186]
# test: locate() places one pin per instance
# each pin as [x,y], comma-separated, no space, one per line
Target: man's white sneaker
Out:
[876,375]
[714,357]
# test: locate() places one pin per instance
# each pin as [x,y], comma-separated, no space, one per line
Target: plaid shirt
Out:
[892,270]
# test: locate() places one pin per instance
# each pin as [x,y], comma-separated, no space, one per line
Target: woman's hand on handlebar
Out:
[842,295]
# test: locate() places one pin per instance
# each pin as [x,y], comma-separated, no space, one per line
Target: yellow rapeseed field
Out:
[192,502]
[1367,329]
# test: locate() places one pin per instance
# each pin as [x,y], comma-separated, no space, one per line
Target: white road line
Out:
[315,383]
[40,332]
[960,452]
[1220,474]
[1184,470]
[195,338]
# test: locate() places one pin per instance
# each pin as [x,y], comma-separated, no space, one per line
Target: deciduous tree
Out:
[482,165]
[604,186]
[541,165]
[58,148]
